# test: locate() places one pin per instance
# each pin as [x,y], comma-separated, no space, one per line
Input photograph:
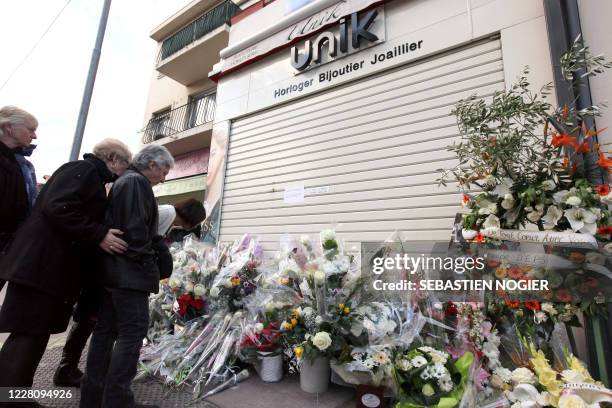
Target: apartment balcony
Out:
[189,54]
[183,129]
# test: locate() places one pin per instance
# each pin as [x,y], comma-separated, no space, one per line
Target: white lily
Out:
[582,220]
[560,196]
[527,396]
[573,201]
[552,217]
[508,202]
[535,216]
[491,222]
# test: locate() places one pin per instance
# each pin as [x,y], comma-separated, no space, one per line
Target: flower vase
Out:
[270,366]
[314,375]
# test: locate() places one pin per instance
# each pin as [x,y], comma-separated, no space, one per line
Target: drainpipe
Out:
[563,26]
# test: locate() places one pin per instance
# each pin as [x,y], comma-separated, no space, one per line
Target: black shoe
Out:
[67,377]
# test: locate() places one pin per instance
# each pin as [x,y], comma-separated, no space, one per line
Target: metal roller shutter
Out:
[372,148]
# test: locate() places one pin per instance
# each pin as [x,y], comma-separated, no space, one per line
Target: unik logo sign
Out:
[313,51]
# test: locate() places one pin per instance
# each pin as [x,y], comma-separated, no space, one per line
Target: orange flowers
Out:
[532,305]
[512,304]
[583,148]
[602,189]
[603,161]
[479,238]
[515,272]
[564,140]
[235,280]
[465,200]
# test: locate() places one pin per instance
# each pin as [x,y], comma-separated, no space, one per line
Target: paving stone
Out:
[252,393]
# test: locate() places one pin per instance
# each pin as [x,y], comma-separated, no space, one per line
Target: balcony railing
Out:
[206,23]
[199,111]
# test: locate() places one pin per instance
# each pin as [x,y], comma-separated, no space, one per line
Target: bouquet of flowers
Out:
[535,383]
[238,278]
[310,336]
[525,155]
[476,333]
[260,338]
[201,354]
[429,377]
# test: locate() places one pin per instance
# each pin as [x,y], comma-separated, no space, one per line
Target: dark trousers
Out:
[114,349]
[19,358]
[2,282]
[75,343]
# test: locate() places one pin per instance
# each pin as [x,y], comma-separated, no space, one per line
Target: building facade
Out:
[298,115]
[326,112]
[355,137]
[181,105]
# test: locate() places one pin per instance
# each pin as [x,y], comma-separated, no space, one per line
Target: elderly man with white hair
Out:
[17,176]
[129,278]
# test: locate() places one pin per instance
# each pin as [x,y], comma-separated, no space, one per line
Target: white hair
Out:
[153,153]
[107,148]
[14,115]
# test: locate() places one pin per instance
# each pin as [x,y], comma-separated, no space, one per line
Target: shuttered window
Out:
[367,154]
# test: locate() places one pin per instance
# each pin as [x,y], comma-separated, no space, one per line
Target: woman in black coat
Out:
[52,251]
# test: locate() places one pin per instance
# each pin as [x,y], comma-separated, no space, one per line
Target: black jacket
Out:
[132,209]
[13,196]
[56,245]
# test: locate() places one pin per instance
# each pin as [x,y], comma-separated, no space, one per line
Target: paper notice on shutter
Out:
[294,194]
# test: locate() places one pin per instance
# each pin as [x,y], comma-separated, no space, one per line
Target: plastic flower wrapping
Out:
[227,307]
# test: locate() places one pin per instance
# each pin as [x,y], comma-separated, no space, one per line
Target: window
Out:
[158,126]
[201,109]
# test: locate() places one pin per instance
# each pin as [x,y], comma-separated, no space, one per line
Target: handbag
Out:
[163,257]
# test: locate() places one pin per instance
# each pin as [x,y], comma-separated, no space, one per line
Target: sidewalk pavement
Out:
[252,393]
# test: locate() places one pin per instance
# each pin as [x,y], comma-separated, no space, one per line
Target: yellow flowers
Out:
[341,306]
[295,313]
[546,375]
[294,323]
[298,351]
[347,310]
[236,280]
[576,365]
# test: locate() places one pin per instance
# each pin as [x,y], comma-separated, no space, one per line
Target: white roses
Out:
[322,340]
[199,290]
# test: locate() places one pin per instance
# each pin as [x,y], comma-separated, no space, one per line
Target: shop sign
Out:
[232,60]
[189,164]
[337,45]
[182,186]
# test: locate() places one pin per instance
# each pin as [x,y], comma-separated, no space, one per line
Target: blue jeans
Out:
[114,349]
